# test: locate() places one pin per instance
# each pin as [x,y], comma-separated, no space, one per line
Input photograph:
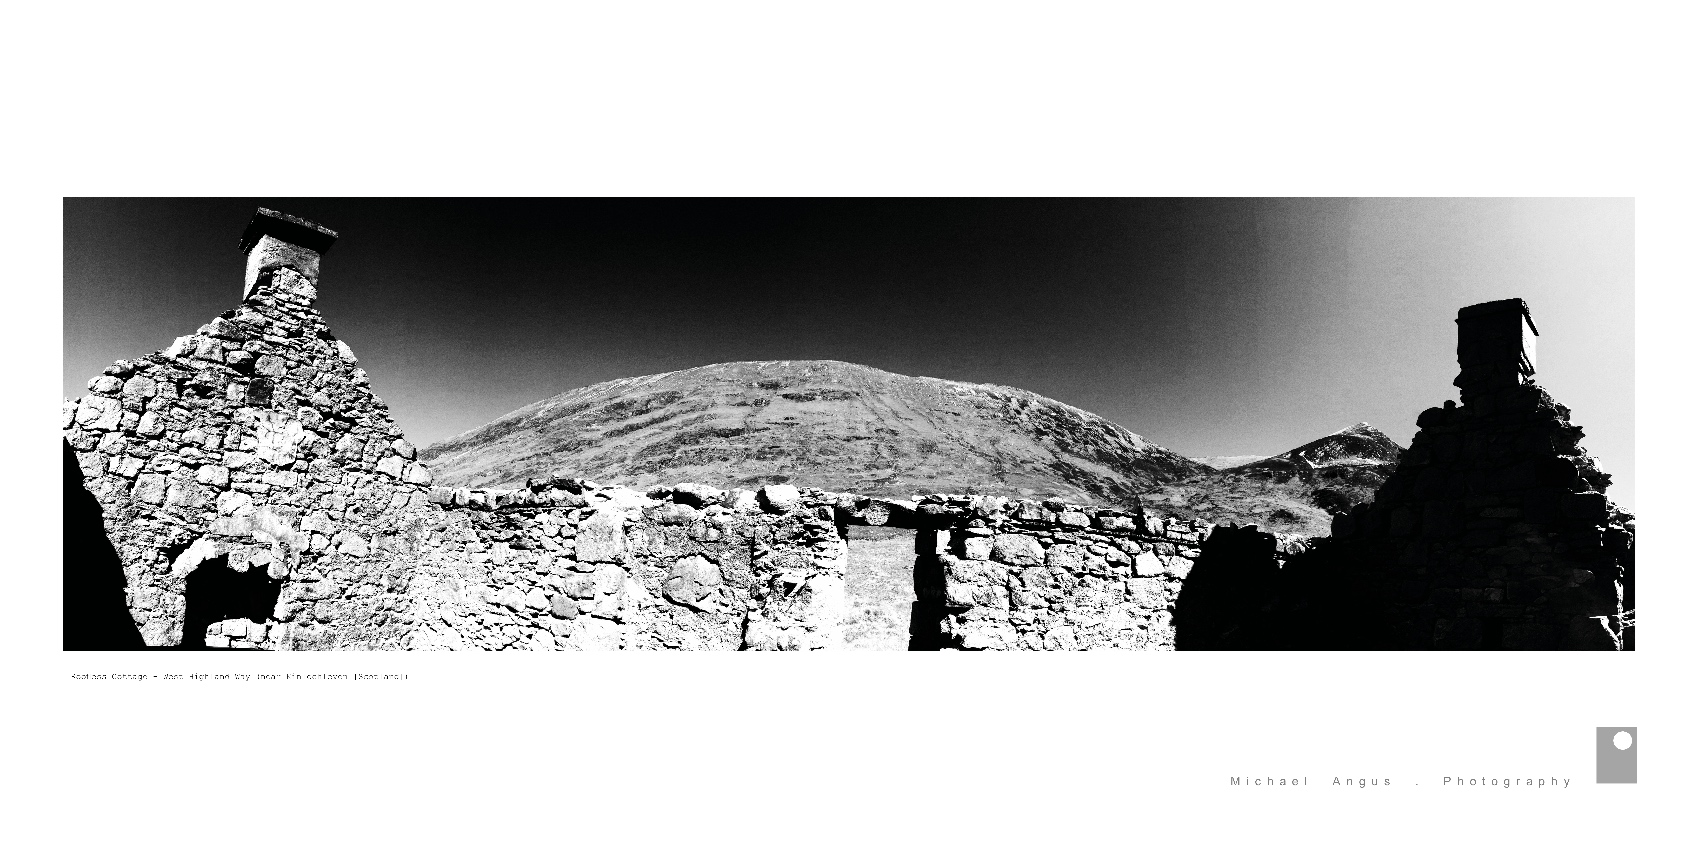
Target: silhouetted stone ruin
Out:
[1493,532]
[254,493]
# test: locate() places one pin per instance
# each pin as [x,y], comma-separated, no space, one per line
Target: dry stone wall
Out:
[1022,575]
[570,565]
[566,564]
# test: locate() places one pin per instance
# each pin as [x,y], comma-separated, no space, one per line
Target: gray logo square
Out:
[1618,755]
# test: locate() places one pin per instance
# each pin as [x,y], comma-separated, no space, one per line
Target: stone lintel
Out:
[1497,308]
[287,228]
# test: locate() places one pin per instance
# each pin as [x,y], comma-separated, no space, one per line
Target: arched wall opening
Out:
[214,593]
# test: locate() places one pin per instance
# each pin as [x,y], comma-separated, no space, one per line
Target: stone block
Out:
[391,466]
[1066,557]
[981,635]
[150,425]
[693,581]
[150,488]
[779,498]
[959,594]
[281,479]
[99,413]
[976,547]
[1117,523]
[271,366]
[743,500]
[317,522]
[1016,549]
[608,579]
[511,598]
[235,503]
[216,476]
[140,387]
[1062,638]
[1147,593]
[601,538]
[1178,567]
[1148,565]
[352,544]
[232,525]
[579,586]
[182,496]
[697,495]
[561,606]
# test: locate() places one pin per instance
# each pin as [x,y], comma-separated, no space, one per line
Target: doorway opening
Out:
[215,592]
[879,584]
[894,587]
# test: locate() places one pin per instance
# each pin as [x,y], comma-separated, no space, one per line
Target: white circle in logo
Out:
[1623,741]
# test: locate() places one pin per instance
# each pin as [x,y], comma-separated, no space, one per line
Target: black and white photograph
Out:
[877,424]
[1016,424]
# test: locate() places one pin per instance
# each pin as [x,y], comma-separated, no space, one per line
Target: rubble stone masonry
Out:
[254,444]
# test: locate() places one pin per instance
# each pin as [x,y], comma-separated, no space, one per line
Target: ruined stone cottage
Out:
[1494,532]
[245,488]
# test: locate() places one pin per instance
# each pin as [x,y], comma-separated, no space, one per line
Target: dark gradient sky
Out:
[1210,326]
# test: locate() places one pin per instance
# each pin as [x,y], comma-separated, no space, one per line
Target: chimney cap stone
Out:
[1513,304]
[287,228]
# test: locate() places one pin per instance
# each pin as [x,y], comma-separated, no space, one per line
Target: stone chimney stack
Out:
[1494,346]
[275,240]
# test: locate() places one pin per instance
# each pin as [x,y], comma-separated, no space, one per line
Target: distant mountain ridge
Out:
[1344,456]
[1295,492]
[828,424]
[1221,463]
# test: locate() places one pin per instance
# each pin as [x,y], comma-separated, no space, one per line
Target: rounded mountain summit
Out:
[831,425]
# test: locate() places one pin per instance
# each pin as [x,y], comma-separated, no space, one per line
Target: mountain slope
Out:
[832,425]
[1294,492]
